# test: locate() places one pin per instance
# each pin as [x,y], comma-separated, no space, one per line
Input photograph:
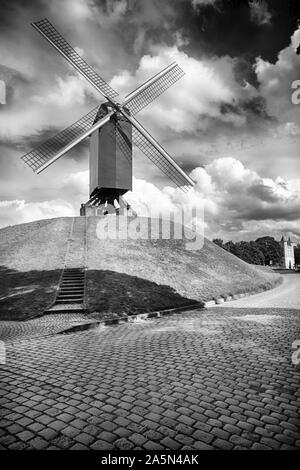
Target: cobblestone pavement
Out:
[207,379]
[42,326]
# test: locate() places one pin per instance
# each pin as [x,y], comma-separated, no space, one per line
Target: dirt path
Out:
[287,296]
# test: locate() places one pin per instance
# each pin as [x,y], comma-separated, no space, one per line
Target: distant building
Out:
[288,253]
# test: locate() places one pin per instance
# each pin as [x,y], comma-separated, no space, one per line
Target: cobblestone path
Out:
[207,379]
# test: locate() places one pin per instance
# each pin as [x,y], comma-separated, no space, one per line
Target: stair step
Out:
[69,296]
[72,288]
[67,308]
[73,273]
[70,292]
[73,277]
[71,285]
[67,301]
[74,270]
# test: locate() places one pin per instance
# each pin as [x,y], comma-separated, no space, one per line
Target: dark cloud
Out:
[229,30]
[275,213]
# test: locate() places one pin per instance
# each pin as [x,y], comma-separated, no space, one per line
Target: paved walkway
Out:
[214,379]
[286,295]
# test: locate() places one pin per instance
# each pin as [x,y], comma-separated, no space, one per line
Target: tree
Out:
[218,242]
[297,255]
[230,246]
[249,252]
[271,249]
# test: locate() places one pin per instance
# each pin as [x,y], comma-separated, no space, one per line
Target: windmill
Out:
[112,128]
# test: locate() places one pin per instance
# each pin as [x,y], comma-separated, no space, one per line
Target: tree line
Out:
[263,251]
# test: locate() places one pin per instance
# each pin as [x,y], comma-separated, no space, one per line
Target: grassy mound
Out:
[123,276]
[130,276]
[31,258]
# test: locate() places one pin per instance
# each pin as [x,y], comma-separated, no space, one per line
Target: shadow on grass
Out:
[24,295]
[109,292]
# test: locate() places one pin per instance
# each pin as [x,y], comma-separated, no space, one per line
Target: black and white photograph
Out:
[149,229]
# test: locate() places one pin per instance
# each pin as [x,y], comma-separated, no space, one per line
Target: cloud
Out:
[244,197]
[20,211]
[237,201]
[34,107]
[201,3]
[215,105]
[259,12]
[197,99]
[275,80]
[68,91]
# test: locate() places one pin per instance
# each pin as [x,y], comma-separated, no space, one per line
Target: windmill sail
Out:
[155,152]
[167,166]
[48,152]
[46,29]
[144,95]
[150,90]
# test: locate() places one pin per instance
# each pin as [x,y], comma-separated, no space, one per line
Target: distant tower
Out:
[288,253]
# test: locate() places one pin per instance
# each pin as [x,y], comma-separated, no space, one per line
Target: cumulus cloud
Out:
[275,80]
[197,99]
[32,108]
[20,211]
[237,201]
[243,196]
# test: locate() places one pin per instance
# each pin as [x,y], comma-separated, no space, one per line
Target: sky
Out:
[230,122]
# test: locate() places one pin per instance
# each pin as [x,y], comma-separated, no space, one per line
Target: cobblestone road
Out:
[286,295]
[207,379]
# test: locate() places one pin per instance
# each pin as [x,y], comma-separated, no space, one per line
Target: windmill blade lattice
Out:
[160,160]
[49,151]
[154,89]
[39,156]
[47,30]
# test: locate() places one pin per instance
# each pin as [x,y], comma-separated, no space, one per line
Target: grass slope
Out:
[31,258]
[142,275]
[124,276]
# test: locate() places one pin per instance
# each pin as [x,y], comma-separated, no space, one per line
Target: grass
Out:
[23,295]
[130,276]
[123,276]
[31,259]
[112,293]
